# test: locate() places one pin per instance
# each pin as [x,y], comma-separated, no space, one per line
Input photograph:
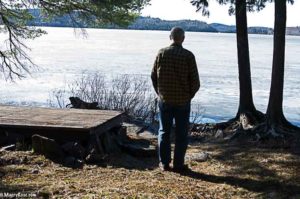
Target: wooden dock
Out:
[58,122]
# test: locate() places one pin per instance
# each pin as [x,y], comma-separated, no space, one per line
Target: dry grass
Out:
[230,172]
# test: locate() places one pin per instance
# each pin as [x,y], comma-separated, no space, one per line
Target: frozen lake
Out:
[63,56]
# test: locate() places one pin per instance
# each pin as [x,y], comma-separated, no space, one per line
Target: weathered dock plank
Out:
[58,119]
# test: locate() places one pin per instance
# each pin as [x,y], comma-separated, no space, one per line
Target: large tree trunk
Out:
[246,99]
[247,116]
[275,114]
[246,105]
[276,124]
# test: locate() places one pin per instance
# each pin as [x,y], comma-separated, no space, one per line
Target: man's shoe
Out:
[181,169]
[165,167]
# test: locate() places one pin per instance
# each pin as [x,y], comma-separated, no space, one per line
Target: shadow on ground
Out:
[124,160]
[249,184]
[16,191]
[255,169]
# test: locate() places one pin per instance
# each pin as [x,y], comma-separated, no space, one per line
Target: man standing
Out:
[175,80]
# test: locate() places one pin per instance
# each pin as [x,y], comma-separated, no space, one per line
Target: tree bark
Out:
[275,114]
[246,104]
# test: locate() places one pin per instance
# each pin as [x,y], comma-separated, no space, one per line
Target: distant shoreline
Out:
[95,28]
[149,23]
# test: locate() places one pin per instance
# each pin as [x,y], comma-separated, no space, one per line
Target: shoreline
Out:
[129,29]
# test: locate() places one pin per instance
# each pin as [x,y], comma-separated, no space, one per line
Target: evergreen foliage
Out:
[15,15]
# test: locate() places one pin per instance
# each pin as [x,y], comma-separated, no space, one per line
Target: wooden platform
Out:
[33,119]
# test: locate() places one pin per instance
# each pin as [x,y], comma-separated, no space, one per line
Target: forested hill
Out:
[148,23]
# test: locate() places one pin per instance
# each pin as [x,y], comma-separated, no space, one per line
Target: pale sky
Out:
[183,9]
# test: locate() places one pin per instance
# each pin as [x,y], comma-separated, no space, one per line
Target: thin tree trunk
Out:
[246,99]
[275,114]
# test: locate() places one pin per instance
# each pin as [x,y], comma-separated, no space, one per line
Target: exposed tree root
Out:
[245,121]
[277,136]
[254,128]
[240,125]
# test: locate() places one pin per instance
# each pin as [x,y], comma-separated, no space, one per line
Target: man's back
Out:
[175,79]
[175,75]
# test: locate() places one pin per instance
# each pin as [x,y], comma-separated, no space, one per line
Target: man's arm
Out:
[194,76]
[154,74]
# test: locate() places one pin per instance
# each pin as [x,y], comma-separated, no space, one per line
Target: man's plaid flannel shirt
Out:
[175,75]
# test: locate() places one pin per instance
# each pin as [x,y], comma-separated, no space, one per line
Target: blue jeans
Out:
[181,115]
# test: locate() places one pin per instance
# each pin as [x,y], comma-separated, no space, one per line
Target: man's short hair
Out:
[177,33]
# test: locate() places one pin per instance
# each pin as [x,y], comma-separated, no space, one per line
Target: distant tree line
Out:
[143,23]
[148,23]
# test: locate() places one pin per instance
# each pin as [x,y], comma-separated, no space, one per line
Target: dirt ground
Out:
[218,170]
[230,171]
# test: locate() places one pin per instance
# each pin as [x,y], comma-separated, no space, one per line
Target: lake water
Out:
[62,56]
